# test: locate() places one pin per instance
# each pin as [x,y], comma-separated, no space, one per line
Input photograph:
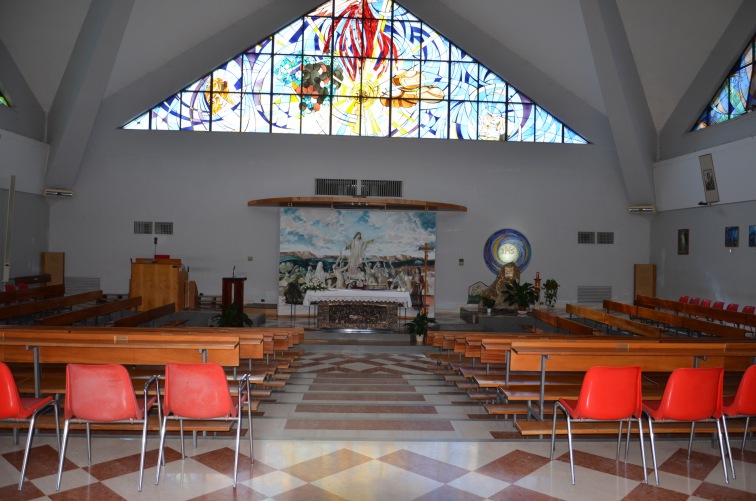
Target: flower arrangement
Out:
[314,285]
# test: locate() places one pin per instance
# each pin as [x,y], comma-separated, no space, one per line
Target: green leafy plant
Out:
[488,301]
[550,288]
[520,294]
[419,324]
[233,316]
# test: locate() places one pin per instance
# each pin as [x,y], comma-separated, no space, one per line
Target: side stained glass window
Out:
[737,94]
[357,68]
[3,100]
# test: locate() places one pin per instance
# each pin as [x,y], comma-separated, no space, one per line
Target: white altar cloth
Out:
[346,295]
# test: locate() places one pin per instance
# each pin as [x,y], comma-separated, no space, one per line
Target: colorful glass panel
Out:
[358,68]
[736,96]
[3,101]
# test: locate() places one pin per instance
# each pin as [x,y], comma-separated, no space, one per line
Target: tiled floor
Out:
[375,427]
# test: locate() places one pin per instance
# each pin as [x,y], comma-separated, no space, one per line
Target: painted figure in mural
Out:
[320,273]
[356,250]
[338,272]
[310,274]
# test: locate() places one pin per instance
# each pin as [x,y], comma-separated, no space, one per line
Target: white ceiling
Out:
[669,39]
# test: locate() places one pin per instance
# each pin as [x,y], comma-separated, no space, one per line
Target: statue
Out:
[509,271]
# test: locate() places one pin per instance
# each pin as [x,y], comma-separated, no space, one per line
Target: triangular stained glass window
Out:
[357,68]
[736,96]
[3,100]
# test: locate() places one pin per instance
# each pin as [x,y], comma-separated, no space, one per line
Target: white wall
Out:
[203,181]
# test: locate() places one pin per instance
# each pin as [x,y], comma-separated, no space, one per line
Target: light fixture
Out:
[58,192]
[641,209]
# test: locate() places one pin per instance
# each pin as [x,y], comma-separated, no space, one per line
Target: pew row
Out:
[614,322]
[678,323]
[71,317]
[736,318]
[32,293]
[44,305]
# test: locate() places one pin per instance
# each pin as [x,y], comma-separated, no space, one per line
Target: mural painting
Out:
[356,249]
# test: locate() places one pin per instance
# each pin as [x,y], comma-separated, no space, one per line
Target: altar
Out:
[358,309]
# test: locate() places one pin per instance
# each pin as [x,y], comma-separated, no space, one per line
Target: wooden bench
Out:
[535,428]
[562,324]
[647,309]
[622,324]
[145,316]
[650,355]
[43,305]
[32,293]
[126,346]
[99,310]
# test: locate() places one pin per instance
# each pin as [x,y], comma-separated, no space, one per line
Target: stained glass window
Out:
[357,68]
[736,95]
[3,100]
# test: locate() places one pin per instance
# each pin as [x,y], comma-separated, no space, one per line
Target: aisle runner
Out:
[373,395]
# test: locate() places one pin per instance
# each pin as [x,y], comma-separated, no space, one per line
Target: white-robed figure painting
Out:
[355,249]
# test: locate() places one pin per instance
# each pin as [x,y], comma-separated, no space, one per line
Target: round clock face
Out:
[508,253]
[504,247]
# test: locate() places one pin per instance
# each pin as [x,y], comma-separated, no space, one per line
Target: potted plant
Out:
[520,294]
[233,316]
[488,303]
[550,288]
[418,327]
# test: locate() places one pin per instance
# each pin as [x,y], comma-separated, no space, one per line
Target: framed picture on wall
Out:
[732,236]
[683,241]
[752,236]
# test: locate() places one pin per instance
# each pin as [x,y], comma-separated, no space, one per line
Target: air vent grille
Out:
[163,228]
[605,237]
[336,187]
[376,188]
[142,227]
[593,293]
[586,237]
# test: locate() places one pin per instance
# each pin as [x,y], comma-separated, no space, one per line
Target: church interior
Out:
[106,178]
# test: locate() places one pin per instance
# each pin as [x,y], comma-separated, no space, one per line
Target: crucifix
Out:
[426,249]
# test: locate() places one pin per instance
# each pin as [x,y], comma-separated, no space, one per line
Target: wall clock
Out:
[506,246]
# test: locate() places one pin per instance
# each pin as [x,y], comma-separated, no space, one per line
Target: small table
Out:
[238,288]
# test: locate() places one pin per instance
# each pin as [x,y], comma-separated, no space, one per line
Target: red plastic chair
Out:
[749,309]
[695,301]
[691,395]
[10,288]
[19,409]
[718,305]
[706,303]
[105,394]
[743,404]
[607,394]
[734,307]
[200,391]
[22,287]
[683,299]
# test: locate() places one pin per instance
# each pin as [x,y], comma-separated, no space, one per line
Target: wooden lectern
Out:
[158,282]
[238,287]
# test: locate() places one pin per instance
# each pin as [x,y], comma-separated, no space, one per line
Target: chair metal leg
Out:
[745,433]
[144,448]
[619,440]
[690,439]
[29,437]
[62,454]
[653,448]
[89,446]
[181,437]
[642,447]
[160,449]
[553,431]
[569,444]
[722,450]
[729,449]
[238,439]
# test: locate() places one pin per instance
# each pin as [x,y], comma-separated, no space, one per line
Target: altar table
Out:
[358,309]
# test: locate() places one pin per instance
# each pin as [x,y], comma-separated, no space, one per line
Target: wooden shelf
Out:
[357,203]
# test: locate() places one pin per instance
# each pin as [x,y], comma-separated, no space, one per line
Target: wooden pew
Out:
[686,323]
[650,355]
[56,303]
[72,317]
[623,324]
[32,293]
[737,318]
[561,323]
[126,346]
[145,316]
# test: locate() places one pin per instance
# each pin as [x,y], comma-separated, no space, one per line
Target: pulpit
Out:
[158,282]
[235,284]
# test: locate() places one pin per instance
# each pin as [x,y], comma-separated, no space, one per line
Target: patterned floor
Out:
[374,427]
